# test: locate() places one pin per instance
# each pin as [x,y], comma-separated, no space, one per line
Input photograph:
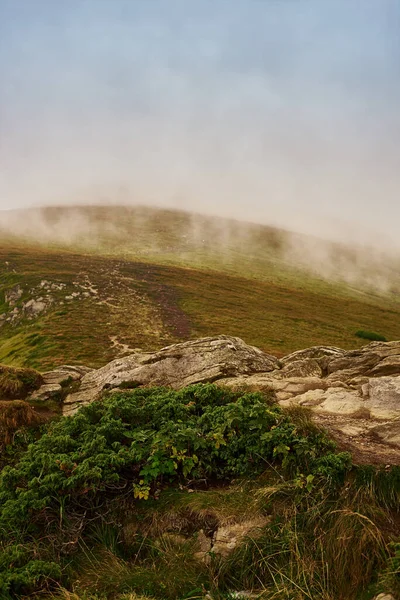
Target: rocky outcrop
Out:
[64,374]
[332,401]
[56,383]
[28,303]
[382,397]
[201,361]
[374,360]
[355,394]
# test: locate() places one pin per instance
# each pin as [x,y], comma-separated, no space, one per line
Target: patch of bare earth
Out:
[354,436]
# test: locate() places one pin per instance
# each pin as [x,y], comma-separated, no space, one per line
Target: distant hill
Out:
[87,284]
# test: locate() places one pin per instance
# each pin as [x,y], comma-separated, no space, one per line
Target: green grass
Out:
[148,306]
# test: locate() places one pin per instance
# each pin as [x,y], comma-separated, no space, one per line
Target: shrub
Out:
[136,443]
[370,335]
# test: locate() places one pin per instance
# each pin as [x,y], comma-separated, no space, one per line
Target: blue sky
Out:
[280,111]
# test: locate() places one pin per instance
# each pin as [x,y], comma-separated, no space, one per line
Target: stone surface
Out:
[203,544]
[383,397]
[343,402]
[12,296]
[389,433]
[307,367]
[200,361]
[375,359]
[64,373]
[291,386]
[46,392]
[318,353]
[227,538]
[33,307]
[331,401]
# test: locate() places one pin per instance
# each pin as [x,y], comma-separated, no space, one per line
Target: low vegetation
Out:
[18,383]
[370,335]
[112,503]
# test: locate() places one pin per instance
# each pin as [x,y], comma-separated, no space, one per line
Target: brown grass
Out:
[17,383]
[15,415]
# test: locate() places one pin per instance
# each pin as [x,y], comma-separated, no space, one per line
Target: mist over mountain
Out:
[283,113]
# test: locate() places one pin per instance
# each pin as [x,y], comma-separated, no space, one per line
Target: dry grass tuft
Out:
[16,383]
[15,415]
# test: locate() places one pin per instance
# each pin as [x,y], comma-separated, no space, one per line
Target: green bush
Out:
[137,443]
[370,335]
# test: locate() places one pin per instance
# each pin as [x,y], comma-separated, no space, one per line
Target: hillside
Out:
[259,472]
[90,284]
[171,237]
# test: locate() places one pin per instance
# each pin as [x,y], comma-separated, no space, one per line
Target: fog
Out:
[276,112]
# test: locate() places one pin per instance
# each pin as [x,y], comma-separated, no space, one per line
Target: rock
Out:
[343,402]
[349,393]
[383,397]
[331,401]
[384,597]
[309,399]
[315,352]
[12,296]
[203,544]
[64,373]
[32,308]
[308,367]
[284,387]
[200,361]
[375,359]
[46,392]
[227,538]
[389,433]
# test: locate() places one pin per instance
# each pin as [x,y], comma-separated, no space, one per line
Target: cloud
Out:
[272,112]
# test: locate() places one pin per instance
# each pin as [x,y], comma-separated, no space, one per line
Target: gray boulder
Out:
[46,392]
[65,373]
[200,361]
[383,397]
[374,360]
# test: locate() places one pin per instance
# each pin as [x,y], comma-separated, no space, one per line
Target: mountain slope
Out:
[60,307]
[178,238]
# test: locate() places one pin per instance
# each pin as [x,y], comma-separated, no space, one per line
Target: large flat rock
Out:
[200,361]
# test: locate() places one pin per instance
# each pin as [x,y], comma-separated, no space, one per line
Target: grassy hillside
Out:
[97,308]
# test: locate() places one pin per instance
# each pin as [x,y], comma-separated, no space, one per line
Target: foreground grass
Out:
[115,503]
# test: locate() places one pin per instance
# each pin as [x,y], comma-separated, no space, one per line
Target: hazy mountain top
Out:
[187,239]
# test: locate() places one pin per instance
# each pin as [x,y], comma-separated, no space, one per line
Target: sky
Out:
[274,111]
